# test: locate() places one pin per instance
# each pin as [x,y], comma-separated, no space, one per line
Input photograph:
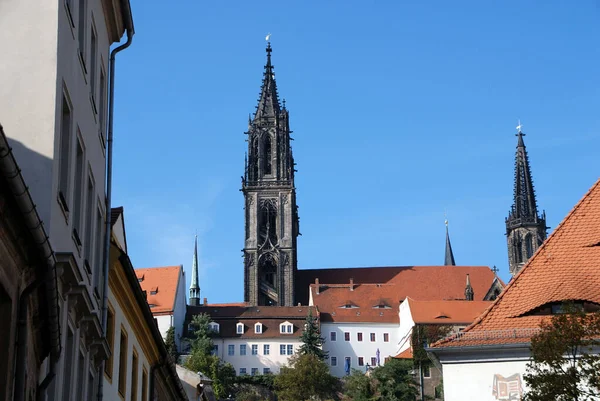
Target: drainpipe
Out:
[111,99]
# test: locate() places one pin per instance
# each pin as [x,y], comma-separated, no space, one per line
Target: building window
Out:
[89,221]
[65,154]
[266,371]
[80,376]
[231,350]
[361,361]
[144,385]
[348,361]
[267,155]
[266,349]
[123,364]
[286,328]
[254,349]
[346,336]
[242,349]
[333,361]
[386,337]
[93,67]
[254,371]
[239,329]
[282,349]
[289,328]
[290,349]
[242,371]
[98,249]
[134,376]
[258,328]
[102,107]
[373,361]
[215,350]
[359,336]
[372,337]
[110,339]
[81,29]
[426,371]
[333,336]
[78,191]
[68,363]
[91,386]
[214,327]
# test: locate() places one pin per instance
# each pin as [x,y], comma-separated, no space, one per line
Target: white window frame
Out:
[239,328]
[258,328]
[214,327]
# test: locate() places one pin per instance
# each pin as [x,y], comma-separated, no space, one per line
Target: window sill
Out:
[76,240]
[62,202]
[102,142]
[81,57]
[69,15]
[93,103]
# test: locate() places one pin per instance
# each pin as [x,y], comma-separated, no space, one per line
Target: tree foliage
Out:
[307,378]
[171,345]
[312,342]
[395,381]
[359,387]
[565,361]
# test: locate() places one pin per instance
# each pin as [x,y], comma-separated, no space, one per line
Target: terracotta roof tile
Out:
[566,267]
[446,312]
[160,284]
[406,354]
[390,286]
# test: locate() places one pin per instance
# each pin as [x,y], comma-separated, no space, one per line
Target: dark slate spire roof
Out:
[194,287]
[449,257]
[525,205]
[268,103]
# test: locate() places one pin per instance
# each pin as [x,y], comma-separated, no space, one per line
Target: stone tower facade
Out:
[525,228]
[271,214]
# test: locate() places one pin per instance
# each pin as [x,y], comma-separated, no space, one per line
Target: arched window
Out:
[254,160]
[267,156]
[529,245]
[519,250]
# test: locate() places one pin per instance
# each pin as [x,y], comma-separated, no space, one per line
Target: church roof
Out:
[268,102]
[378,291]
[449,255]
[446,312]
[564,268]
[160,284]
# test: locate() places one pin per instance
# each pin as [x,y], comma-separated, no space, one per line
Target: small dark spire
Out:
[268,102]
[469,293]
[449,257]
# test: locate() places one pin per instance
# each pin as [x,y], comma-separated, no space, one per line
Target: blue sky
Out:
[400,110]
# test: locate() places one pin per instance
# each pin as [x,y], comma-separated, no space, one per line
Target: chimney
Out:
[318,286]
[351,284]
[205,301]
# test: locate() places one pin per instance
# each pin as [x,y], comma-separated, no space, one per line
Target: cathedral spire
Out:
[449,257]
[525,228]
[194,287]
[469,293]
[268,103]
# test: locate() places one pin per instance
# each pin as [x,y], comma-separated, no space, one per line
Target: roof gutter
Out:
[128,19]
[10,170]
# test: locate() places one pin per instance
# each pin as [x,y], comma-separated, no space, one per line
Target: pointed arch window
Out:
[528,245]
[254,159]
[267,156]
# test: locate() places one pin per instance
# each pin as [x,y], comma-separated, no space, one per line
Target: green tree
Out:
[307,378]
[170,344]
[395,381]
[312,342]
[565,361]
[359,387]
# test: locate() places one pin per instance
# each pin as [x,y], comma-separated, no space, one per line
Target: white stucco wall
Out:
[474,381]
[164,322]
[406,325]
[354,349]
[274,361]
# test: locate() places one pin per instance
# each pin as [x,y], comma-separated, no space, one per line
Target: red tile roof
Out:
[163,280]
[389,286]
[566,267]
[446,312]
[270,316]
[406,354]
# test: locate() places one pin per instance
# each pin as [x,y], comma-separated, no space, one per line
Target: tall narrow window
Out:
[254,159]
[5,329]
[81,376]
[65,154]
[134,376]
[529,245]
[144,385]
[102,107]
[78,192]
[267,156]
[67,365]
[90,386]
[98,253]
[81,23]
[519,250]
[123,364]
[93,67]
[89,221]
[110,339]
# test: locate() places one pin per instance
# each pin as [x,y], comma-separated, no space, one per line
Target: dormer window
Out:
[141,278]
[239,328]
[258,328]
[153,290]
[214,327]
[286,328]
[349,305]
[152,305]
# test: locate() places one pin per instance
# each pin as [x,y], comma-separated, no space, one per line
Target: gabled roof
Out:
[406,354]
[163,280]
[390,285]
[566,267]
[446,312]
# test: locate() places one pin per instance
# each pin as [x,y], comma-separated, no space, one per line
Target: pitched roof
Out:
[406,354]
[160,284]
[270,316]
[565,267]
[389,286]
[446,312]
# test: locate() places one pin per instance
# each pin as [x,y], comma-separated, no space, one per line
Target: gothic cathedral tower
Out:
[270,260]
[525,229]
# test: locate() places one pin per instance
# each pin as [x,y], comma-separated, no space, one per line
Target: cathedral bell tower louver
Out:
[271,214]
[525,228]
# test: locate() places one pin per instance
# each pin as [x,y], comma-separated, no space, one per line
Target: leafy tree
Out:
[312,342]
[359,387]
[395,381]
[565,361]
[307,378]
[170,344]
